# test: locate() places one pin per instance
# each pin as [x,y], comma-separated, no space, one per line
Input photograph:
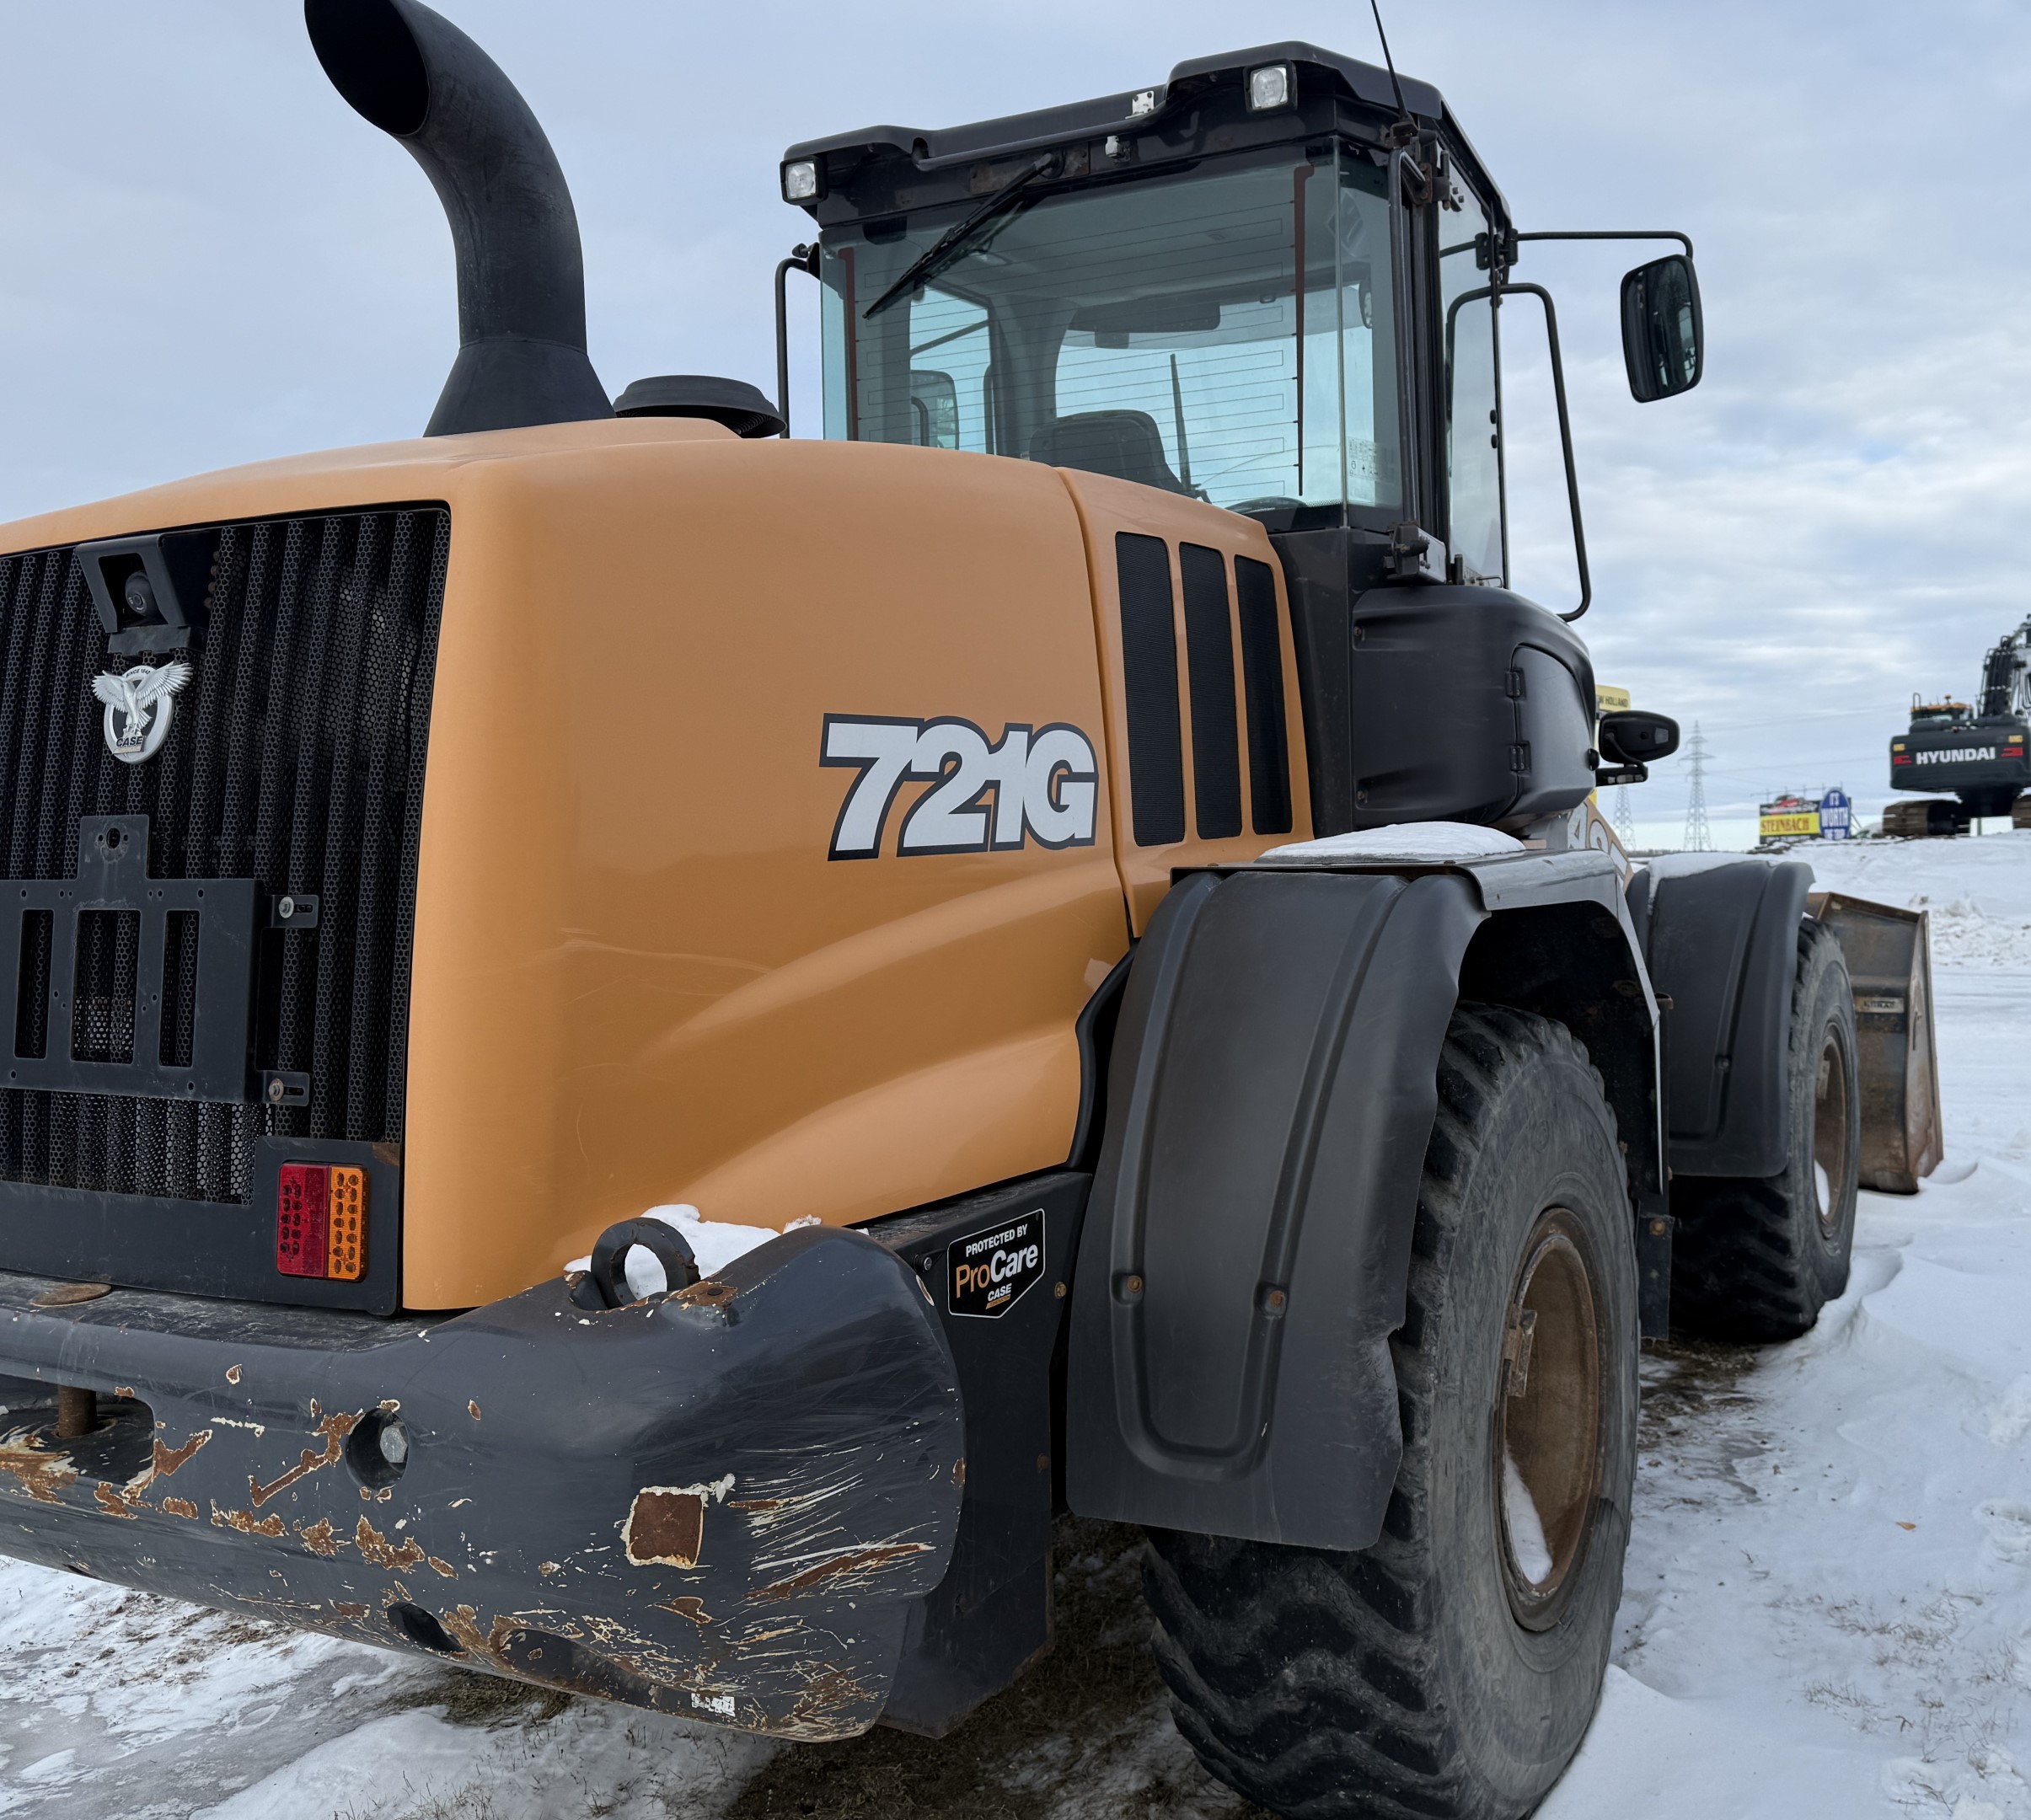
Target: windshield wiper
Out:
[966,236]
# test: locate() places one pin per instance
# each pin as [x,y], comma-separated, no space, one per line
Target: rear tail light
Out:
[321,1221]
[346,1226]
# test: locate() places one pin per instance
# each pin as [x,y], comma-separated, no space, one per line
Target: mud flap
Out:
[1273,1084]
[1890,960]
[1722,942]
[1653,1231]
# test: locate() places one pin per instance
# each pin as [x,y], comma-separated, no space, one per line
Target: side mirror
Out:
[1661,328]
[1629,736]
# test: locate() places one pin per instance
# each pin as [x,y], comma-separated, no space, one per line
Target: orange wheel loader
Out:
[639,1048]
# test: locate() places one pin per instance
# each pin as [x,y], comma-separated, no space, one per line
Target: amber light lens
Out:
[321,1221]
[346,1225]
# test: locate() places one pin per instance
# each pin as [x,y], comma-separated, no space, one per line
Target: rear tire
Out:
[1755,1259]
[1453,1668]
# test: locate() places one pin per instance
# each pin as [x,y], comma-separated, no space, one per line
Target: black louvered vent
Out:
[1216,747]
[294,758]
[1156,755]
[1263,687]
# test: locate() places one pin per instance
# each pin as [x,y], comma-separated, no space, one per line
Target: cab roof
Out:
[1166,109]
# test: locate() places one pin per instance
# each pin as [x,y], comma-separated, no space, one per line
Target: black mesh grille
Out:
[178,989]
[295,757]
[32,1007]
[1156,755]
[102,999]
[1263,683]
[1216,747]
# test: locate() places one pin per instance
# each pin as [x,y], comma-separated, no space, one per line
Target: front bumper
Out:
[722,1504]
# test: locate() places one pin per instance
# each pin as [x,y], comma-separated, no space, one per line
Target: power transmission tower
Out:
[1699,837]
[1625,818]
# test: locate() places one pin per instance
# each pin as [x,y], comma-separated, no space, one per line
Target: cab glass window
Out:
[1227,333]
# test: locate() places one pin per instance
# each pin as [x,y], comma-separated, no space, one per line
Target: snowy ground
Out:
[1828,1607]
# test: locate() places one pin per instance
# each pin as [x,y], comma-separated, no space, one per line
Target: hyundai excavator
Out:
[1981,754]
[1039,1015]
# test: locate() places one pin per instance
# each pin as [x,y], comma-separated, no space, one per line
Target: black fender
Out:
[1722,945]
[1277,1049]
[1243,1263]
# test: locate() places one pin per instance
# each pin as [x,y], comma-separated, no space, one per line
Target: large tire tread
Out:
[1342,1727]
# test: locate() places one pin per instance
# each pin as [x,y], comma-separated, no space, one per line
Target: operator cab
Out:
[1200,286]
[1928,717]
[1273,283]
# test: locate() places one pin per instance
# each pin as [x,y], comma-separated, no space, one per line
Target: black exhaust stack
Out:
[521,286]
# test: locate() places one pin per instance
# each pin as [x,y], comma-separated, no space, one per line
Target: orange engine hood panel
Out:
[775,828]
[639,978]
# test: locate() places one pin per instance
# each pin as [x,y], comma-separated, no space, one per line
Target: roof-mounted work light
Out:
[803,180]
[1271,86]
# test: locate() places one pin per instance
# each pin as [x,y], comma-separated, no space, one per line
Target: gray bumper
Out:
[723,1504]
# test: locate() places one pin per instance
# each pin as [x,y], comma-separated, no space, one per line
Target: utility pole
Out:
[1625,818]
[1699,837]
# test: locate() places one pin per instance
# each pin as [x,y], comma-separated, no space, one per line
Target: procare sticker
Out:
[992,1271]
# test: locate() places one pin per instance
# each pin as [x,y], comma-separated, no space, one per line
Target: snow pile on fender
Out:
[1411,843]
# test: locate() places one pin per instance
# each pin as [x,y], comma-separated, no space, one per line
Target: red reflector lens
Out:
[301,1219]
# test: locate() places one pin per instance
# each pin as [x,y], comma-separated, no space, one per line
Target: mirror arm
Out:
[1565,437]
[1611,233]
[804,258]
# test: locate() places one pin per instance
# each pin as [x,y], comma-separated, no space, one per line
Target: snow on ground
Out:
[1978,892]
[1828,1608]
[1828,1602]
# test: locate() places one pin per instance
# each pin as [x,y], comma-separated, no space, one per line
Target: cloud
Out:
[212,260]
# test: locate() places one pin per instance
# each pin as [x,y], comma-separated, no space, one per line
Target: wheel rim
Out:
[1548,1420]
[1830,1135]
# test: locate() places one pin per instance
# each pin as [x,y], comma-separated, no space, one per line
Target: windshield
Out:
[1153,330]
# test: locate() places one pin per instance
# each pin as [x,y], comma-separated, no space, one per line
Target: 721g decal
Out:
[1044,782]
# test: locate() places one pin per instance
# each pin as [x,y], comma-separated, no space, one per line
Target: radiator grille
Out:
[295,757]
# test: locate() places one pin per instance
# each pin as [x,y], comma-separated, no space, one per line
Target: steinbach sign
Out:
[1789,818]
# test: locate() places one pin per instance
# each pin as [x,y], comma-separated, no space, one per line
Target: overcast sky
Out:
[211,260]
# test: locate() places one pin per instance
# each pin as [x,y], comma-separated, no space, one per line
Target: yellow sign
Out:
[1610,700]
[1788,824]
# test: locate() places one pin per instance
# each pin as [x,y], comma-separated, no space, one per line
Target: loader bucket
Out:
[1889,960]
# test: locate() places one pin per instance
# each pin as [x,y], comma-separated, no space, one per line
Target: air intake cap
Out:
[744,409]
